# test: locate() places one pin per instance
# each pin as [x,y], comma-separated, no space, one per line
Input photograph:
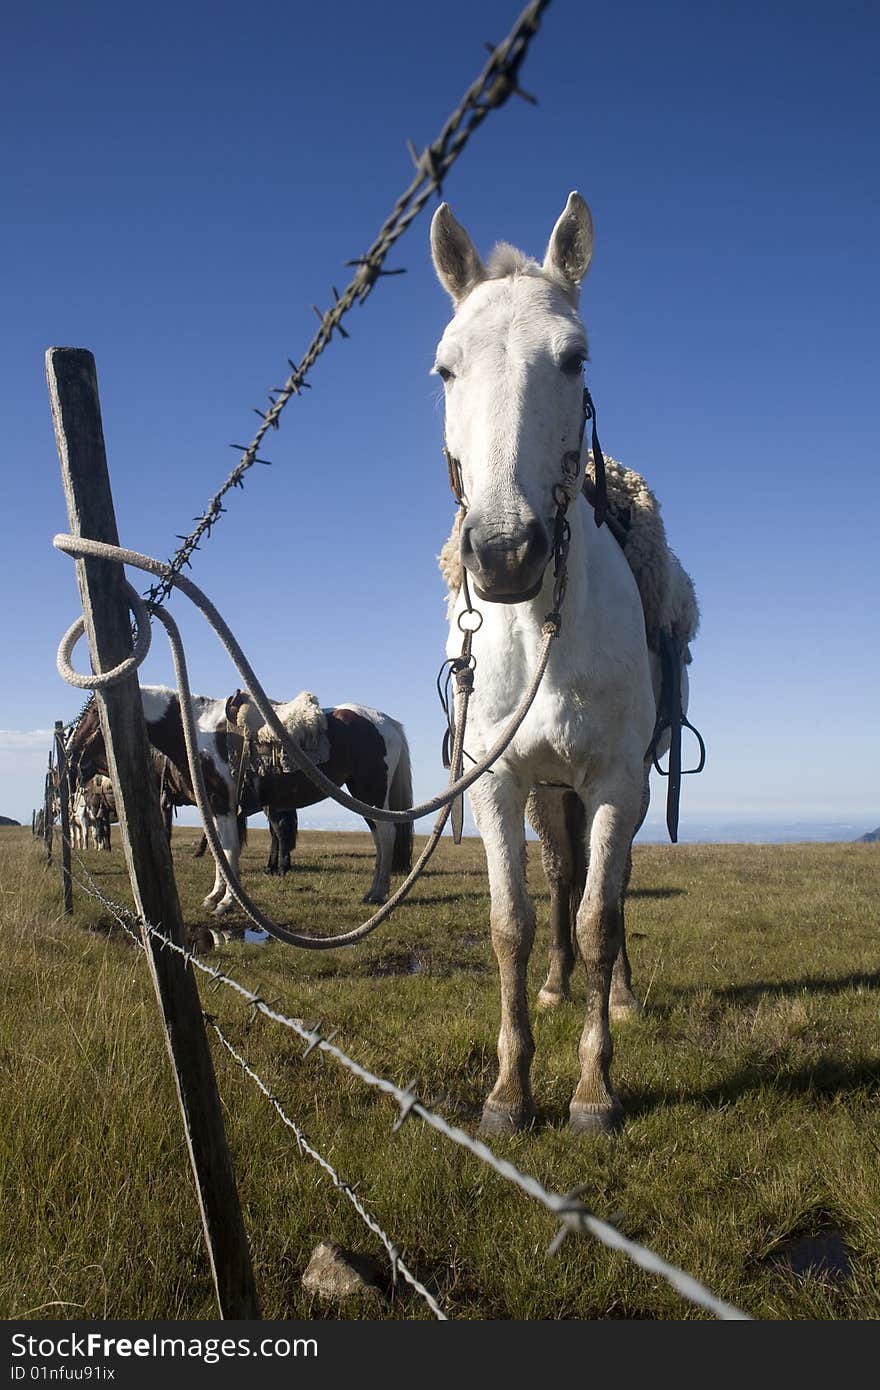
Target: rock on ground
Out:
[338,1274]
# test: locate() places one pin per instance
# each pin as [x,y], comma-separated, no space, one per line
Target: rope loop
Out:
[125,668]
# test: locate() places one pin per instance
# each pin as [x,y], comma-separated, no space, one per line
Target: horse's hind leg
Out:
[624,1004]
[558,818]
[612,810]
[499,805]
[272,861]
[383,839]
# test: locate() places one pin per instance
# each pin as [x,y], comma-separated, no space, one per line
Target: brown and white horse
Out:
[367,752]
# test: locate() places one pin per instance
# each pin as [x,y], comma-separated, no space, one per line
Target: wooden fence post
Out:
[76,411]
[48,811]
[64,808]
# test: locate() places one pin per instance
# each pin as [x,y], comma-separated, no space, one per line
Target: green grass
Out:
[750,1085]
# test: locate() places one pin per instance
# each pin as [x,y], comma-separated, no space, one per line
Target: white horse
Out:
[511,361]
[80,825]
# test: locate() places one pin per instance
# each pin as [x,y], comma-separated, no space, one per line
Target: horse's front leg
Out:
[220,898]
[499,804]
[612,812]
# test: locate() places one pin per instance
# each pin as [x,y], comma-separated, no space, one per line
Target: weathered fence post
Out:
[73,391]
[64,807]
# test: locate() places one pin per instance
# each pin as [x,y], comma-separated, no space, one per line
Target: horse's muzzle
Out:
[506,566]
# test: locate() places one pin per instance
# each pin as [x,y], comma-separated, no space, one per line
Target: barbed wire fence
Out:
[569,1210]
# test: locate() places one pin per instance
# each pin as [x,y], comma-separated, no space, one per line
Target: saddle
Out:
[254,751]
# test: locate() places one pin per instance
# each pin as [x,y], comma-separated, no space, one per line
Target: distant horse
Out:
[93,800]
[98,810]
[511,362]
[360,748]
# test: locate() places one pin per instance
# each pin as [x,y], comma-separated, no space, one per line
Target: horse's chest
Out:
[556,736]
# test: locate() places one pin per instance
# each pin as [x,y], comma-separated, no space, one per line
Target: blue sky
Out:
[184,181]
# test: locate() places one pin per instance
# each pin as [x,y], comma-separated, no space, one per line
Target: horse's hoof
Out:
[377,898]
[552,998]
[495,1121]
[209,901]
[590,1121]
[270,872]
[624,1010]
[223,907]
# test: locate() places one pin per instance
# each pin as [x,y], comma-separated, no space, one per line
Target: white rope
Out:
[80,547]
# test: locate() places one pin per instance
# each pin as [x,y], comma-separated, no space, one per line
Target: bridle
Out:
[564,491]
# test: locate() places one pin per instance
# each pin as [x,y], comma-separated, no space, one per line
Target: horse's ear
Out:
[233,705]
[456,262]
[570,249]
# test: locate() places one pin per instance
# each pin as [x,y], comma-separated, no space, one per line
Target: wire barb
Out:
[407,1104]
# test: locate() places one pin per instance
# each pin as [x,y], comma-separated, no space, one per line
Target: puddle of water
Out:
[824,1256]
[399,963]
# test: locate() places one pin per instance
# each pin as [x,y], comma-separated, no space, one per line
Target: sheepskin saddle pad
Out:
[666,590]
[304,720]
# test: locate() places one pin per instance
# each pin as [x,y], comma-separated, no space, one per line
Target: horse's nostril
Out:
[535,538]
[503,559]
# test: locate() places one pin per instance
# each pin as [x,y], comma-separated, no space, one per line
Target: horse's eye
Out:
[573,365]
[444,374]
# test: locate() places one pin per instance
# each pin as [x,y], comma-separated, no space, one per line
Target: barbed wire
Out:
[498,81]
[397,1263]
[568,1208]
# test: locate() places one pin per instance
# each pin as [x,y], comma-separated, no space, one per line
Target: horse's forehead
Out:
[525,309]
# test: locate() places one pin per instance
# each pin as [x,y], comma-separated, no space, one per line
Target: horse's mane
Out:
[505,260]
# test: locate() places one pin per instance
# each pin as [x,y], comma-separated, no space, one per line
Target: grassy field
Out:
[750,1086]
